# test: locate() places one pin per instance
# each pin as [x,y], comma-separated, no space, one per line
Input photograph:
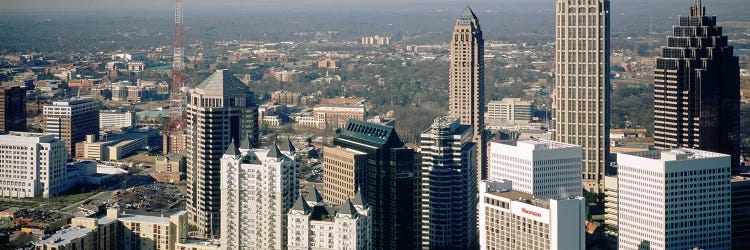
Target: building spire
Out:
[698,9]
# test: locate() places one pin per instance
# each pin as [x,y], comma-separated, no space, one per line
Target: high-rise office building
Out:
[582,88]
[219,110]
[344,171]
[697,88]
[12,109]
[258,187]
[544,168]
[72,120]
[511,219]
[32,165]
[676,199]
[466,81]
[449,185]
[391,183]
[741,210]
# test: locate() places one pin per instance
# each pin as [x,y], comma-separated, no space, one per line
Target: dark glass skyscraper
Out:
[697,88]
[391,183]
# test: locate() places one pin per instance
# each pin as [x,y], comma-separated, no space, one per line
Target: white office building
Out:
[258,187]
[315,224]
[674,199]
[32,165]
[115,120]
[544,168]
[509,111]
[515,220]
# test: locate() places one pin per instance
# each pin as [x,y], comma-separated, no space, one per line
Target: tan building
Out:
[343,170]
[287,75]
[72,120]
[582,88]
[337,117]
[170,168]
[114,148]
[376,40]
[285,97]
[327,64]
[466,81]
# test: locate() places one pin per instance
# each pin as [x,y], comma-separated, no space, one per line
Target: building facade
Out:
[258,188]
[343,172]
[582,87]
[516,220]
[697,88]
[391,183]
[12,109]
[115,121]
[676,199]
[610,211]
[32,165]
[449,185]
[219,110]
[741,210]
[319,225]
[72,120]
[466,81]
[509,110]
[544,168]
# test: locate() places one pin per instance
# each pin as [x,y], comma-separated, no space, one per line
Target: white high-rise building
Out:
[449,185]
[675,199]
[258,187]
[315,224]
[544,168]
[582,84]
[32,165]
[515,220]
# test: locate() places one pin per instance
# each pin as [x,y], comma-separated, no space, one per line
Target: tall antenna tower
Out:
[174,136]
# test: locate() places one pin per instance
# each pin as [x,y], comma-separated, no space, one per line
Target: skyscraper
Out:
[12,109]
[449,185]
[71,121]
[675,199]
[697,88]
[582,88]
[391,183]
[219,110]
[466,81]
[258,187]
[344,170]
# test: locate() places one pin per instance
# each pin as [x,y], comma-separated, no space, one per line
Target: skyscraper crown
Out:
[698,9]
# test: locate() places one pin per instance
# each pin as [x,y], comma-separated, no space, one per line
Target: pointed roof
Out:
[274,152]
[359,199]
[245,143]
[348,209]
[232,149]
[301,205]
[222,80]
[313,195]
[697,9]
[287,146]
[468,14]
[251,158]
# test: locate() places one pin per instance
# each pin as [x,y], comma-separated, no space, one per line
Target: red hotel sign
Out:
[531,212]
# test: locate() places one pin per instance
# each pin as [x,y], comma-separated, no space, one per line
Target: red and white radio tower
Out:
[174,136]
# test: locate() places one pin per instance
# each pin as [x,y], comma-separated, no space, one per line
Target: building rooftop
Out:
[143,218]
[222,81]
[65,236]
[539,144]
[512,195]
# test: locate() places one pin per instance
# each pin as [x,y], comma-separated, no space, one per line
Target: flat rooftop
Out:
[65,236]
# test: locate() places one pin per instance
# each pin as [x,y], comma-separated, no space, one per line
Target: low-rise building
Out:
[113,147]
[170,168]
[115,121]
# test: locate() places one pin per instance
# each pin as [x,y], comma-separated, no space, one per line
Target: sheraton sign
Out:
[526,211]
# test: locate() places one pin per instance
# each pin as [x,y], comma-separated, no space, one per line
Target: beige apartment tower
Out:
[582,88]
[344,172]
[466,81]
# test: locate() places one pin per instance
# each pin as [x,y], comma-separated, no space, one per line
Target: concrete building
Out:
[198,244]
[376,40]
[449,185]
[544,168]
[610,211]
[113,148]
[115,121]
[509,111]
[697,88]
[343,171]
[72,238]
[516,220]
[675,199]
[12,109]
[258,187]
[319,225]
[219,110]
[466,81]
[32,165]
[72,120]
[170,168]
[582,86]
[338,117]
[392,183]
